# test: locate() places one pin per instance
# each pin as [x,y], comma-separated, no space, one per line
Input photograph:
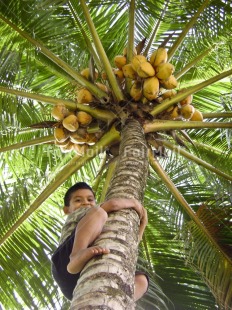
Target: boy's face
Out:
[80,198]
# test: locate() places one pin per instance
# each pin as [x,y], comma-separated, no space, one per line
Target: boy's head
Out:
[78,195]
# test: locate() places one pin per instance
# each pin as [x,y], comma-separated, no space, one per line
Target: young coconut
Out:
[129,72]
[151,88]
[137,61]
[59,112]
[67,148]
[164,71]
[119,61]
[77,139]
[187,100]
[80,149]
[169,83]
[169,94]
[136,90]
[86,73]
[175,113]
[61,134]
[197,116]
[71,123]
[187,111]
[145,70]
[159,57]
[119,74]
[102,87]
[83,118]
[84,96]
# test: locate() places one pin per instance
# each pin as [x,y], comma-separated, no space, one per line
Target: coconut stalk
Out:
[73,7]
[162,125]
[104,115]
[217,115]
[153,35]
[102,54]
[193,158]
[183,34]
[72,166]
[107,282]
[62,64]
[191,90]
[193,63]
[130,43]
[21,145]
[170,185]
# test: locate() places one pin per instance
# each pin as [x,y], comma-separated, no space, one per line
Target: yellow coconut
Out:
[71,123]
[187,111]
[169,93]
[170,83]
[175,113]
[77,138]
[80,149]
[104,75]
[136,90]
[87,74]
[187,100]
[164,71]
[119,74]
[159,57]
[145,70]
[119,61]
[197,116]
[83,118]
[125,51]
[84,96]
[102,87]
[67,148]
[151,88]
[62,144]
[61,134]
[91,139]
[59,112]
[129,72]
[137,60]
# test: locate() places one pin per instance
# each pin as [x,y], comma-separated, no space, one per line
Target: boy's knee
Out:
[141,285]
[101,214]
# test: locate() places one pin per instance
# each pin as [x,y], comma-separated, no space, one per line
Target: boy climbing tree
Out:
[84,224]
[108,280]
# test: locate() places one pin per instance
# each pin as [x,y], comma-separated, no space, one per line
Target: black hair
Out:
[72,189]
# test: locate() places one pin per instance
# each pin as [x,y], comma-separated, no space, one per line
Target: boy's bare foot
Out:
[78,261]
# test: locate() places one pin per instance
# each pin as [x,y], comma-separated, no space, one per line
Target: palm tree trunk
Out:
[108,282]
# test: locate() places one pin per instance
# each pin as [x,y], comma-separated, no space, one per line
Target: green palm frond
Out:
[41,55]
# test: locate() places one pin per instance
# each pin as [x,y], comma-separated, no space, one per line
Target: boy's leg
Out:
[87,230]
[141,285]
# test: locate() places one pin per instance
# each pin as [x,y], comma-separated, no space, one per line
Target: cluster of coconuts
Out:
[70,131]
[153,80]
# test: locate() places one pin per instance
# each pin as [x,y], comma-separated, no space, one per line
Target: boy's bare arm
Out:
[143,224]
[116,204]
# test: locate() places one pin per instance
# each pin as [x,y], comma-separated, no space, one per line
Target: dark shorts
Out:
[60,259]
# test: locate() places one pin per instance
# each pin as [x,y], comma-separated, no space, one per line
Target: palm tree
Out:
[44,47]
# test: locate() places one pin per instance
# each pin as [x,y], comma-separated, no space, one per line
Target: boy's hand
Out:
[116,204]
[143,224]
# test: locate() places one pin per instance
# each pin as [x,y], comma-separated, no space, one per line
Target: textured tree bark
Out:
[107,282]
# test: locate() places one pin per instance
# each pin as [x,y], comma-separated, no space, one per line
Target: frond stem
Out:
[72,166]
[178,196]
[189,25]
[102,54]
[169,102]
